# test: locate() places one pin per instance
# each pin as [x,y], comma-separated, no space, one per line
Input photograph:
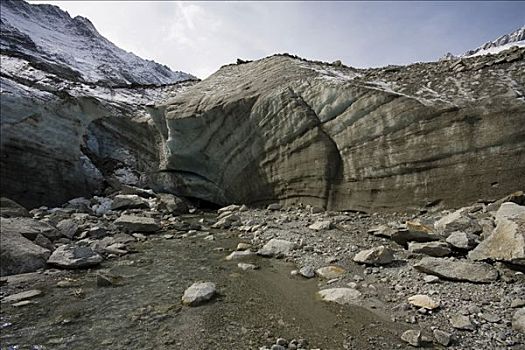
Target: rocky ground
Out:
[432,279]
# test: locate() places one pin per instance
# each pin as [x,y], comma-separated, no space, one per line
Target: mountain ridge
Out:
[47,35]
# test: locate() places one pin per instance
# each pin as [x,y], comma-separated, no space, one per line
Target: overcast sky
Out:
[199,37]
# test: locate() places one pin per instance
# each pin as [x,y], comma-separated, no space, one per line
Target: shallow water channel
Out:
[144,310]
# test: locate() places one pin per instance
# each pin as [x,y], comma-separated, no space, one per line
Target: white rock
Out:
[199,293]
[239,254]
[321,225]
[340,295]
[422,300]
[376,256]
[277,248]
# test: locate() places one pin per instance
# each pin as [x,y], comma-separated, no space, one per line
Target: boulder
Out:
[330,272]
[414,232]
[457,221]
[240,254]
[422,300]
[230,208]
[172,204]
[68,228]
[457,270]
[518,320]
[510,211]
[129,201]
[506,243]
[199,293]
[462,322]
[29,228]
[307,272]
[274,206]
[277,248]
[435,248]
[412,337]
[321,225]
[14,298]
[442,337]
[341,296]
[375,256]
[11,209]
[133,223]
[71,256]
[18,254]
[462,240]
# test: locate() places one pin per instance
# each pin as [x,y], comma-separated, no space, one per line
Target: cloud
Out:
[199,37]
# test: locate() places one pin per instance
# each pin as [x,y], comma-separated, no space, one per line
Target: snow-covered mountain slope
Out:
[504,42]
[73,48]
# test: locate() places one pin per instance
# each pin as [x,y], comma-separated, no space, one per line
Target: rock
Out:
[14,298]
[506,243]
[462,240]
[431,279]
[457,221]
[330,272]
[490,317]
[144,193]
[68,228]
[462,322]
[442,337]
[226,221]
[412,337]
[229,208]
[321,225]
[11,209]
[421,300]
[240,254]
[199,293]
[108,280]
[129,201]
[29,228]
[414,232]
[72,257]
[18,254]
[243,246]
[274,206]
[375,256]
[277,248]
[518,302]
[133,223]
[96,232]
[435,248]
[103,206]
[172,204]
[382,231]
[340,295]
[307,272]
[244,266]
[510,211]
[518,320]
[457,270]
[44,242]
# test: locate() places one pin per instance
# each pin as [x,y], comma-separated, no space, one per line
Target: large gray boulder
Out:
[506,243]
[129,201]
[11,209]
[18,254]
[277,248]
[71,256]
[30,228]
[456,270]
[172,204]
[134,223]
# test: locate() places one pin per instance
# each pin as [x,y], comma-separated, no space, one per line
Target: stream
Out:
[144,311]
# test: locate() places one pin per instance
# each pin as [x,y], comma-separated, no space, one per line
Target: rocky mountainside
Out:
[72,47]
[73,111]
[286,129]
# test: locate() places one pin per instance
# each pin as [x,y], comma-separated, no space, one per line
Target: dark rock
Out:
[11,209]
